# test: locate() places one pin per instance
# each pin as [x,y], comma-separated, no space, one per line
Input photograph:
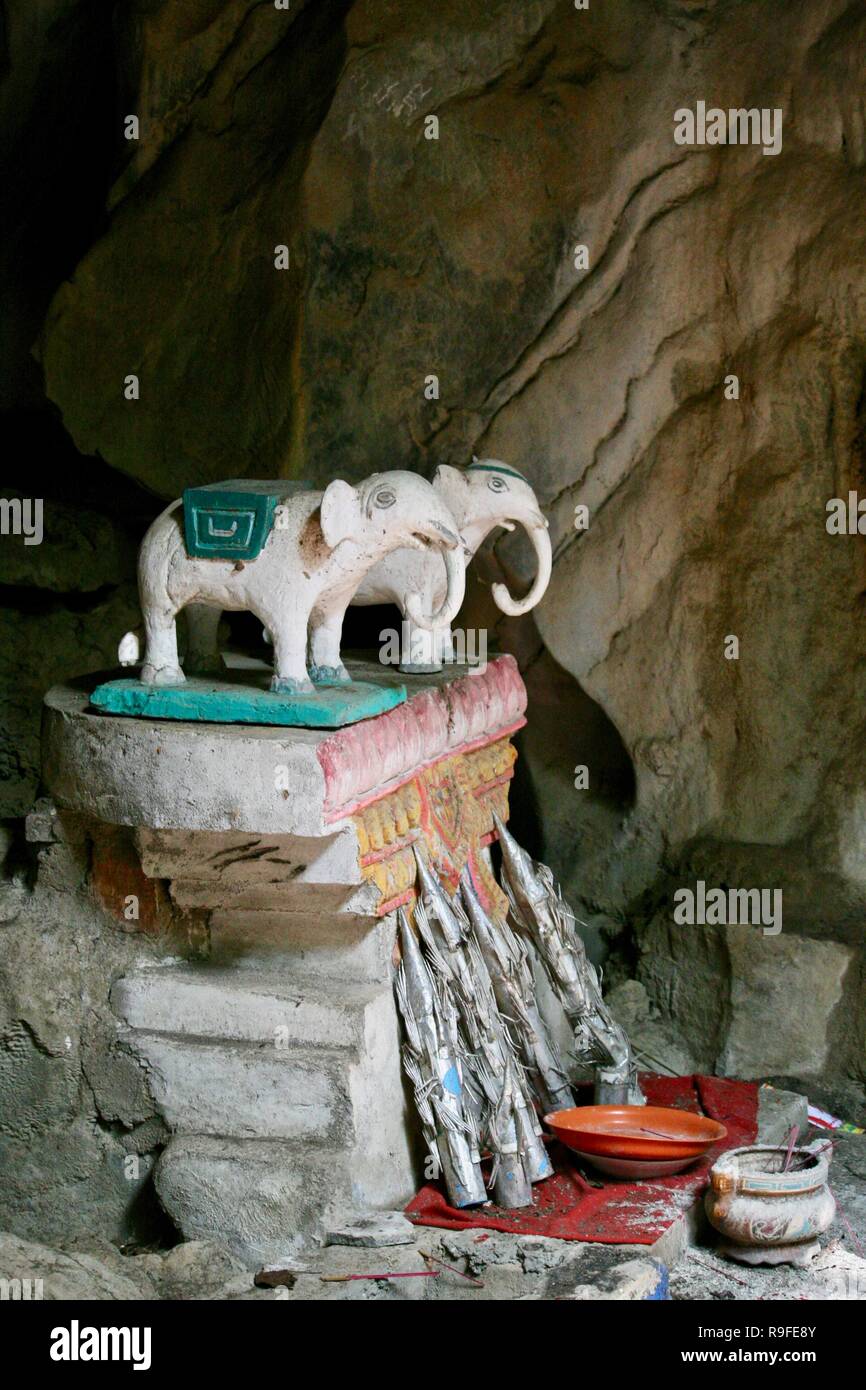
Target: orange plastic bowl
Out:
[635,1131]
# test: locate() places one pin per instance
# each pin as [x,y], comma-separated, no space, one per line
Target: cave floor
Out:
[468,1265]
[512,1267]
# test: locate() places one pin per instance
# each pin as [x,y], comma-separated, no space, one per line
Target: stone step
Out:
[248,1089]
[265,1199]
[216,1002]
[350,946]
[207,895]
[226,859]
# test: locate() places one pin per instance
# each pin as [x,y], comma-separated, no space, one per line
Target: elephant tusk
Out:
[540,539]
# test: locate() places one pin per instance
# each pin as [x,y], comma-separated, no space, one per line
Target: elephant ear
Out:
[340,513]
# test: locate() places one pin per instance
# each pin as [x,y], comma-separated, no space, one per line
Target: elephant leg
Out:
[420,650]
[290,649]
[161,665]
[202,653]
[326,668]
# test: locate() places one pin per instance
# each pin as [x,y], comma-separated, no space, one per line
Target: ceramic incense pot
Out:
[768,1215]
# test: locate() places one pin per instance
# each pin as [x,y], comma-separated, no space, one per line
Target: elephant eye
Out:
[497,484]
[385,498]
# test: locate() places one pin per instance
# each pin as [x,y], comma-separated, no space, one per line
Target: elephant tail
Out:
[129,648]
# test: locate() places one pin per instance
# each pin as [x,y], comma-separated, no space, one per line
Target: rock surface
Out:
[371,1230]
[778,1113]
[746,1004]
[98,1271]
[454,257]
[56,1276]
[79,1131]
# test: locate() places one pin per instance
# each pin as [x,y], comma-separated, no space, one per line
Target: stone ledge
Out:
[240,1090]
[263,1198]
[172,775]
[250,1006]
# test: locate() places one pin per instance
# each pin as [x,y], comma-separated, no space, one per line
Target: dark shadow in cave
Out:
[361,631]
[40,459]
[57,168]
[566,730]
[363,627]
[148,1225]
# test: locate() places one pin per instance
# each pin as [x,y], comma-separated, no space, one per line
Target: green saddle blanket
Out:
[232,520]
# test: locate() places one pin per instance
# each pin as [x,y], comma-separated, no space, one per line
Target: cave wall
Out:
[411,257]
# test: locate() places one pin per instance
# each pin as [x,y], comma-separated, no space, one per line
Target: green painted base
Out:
[247,700]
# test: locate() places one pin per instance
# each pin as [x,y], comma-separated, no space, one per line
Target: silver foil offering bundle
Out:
[432,1063]
[541,914]
[510,971]
[494,1077]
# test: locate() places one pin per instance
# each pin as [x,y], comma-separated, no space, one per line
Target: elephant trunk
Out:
[455,570]
[540,538]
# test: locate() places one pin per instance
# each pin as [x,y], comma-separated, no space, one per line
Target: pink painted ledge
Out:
[364,761]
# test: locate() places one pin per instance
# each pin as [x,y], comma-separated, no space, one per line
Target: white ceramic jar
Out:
[759,1208]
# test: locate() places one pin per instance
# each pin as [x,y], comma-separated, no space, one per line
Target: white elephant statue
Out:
[302,580]
[485,495]
[481,497]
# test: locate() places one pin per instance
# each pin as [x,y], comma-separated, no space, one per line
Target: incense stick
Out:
[804,1162]
[723,1272]
[406,1274]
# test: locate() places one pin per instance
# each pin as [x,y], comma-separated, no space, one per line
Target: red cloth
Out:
[622,1212]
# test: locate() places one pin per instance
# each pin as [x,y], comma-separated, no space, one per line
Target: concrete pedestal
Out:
[274,1057]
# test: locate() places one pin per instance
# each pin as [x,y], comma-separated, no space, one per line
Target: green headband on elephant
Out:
[495,468]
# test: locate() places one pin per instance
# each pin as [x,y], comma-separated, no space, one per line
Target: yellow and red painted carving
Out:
[448,808]
[432,770]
